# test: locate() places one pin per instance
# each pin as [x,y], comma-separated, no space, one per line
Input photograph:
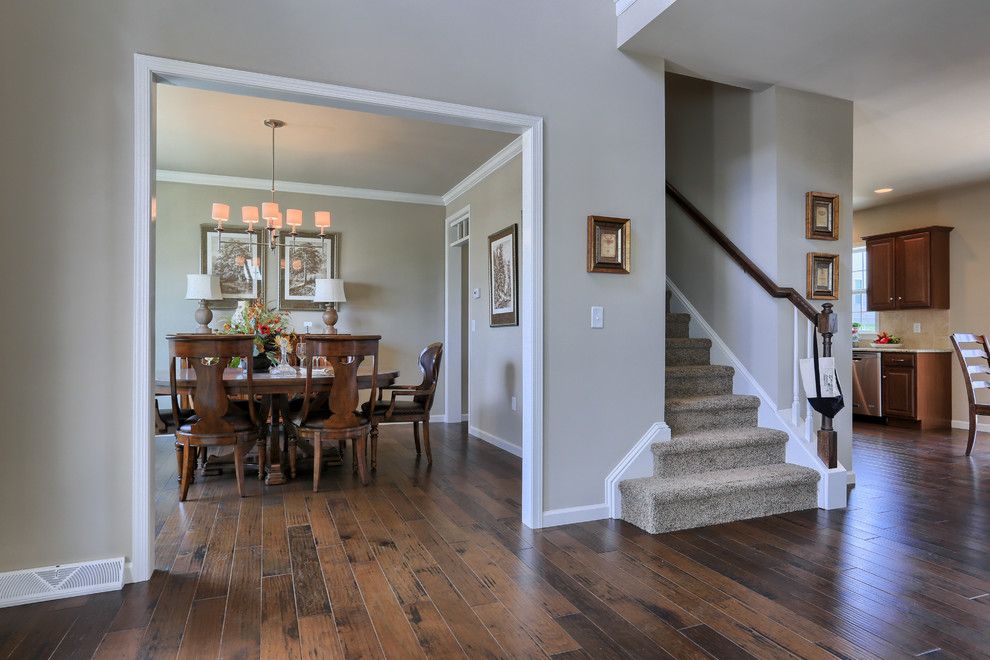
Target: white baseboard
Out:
[638,462]
[850,478]
[501,443]
[61,581]
[964,425]
[438,419]
[465,417]
[575,514]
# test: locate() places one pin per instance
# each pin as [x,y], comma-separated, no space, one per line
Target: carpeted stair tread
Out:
[720,484]
[698,371]
[678,317]
[719,439]
[714,403]
[688,342]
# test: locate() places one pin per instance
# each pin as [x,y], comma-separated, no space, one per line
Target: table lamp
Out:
[329,291]
[203,288]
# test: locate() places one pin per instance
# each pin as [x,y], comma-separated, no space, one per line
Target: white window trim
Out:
[862,248]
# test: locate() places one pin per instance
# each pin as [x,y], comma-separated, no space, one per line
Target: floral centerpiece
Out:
[270,329]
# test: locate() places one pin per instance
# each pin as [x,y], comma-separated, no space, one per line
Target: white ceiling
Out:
[216,133]
[917,70]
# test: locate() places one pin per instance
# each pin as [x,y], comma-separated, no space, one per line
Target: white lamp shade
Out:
[249,215]
[221,212]
[202,287]
[322,218]
[293,217]
[329,291]
[269,210]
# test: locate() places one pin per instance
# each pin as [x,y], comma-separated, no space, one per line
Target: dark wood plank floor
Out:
[435,563]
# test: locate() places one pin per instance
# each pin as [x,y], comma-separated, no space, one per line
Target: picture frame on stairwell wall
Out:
[821,216]
[823,276]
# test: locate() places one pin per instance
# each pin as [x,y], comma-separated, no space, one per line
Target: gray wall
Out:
[494,369]
[746,159]
[391,261]
[66,475]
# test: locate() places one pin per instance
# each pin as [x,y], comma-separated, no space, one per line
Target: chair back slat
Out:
[344,354]
[429,366]
[209,355]
[982,352]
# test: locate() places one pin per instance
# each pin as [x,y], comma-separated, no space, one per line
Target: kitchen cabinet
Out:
[908,269]
[916,389]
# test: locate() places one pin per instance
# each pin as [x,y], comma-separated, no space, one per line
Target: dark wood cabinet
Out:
[908,269]
[916,389]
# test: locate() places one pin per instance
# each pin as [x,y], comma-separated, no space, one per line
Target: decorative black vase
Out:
[261,363]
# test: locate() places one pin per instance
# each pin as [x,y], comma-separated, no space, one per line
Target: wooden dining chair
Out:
[214,421]
[334,415]
[416,410]
[975,363]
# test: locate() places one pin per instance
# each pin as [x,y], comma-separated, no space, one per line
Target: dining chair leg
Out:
[179,465]
[419,449]
[317,462]
[374,448]
[362,452]
[239,450]
[426,442]
[187,468]
[292,456]
[972,431]
[354,457]
[262,455]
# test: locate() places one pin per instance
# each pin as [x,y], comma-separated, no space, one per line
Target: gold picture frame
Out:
[608,244]
[821,216]
[823,276]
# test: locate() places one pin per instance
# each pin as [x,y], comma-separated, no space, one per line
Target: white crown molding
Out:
[622,5]
[507,153]
[219,180]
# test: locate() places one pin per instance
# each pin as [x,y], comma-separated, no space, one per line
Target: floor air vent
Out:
[62,581]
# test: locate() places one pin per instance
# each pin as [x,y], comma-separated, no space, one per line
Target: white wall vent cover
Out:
[62,581]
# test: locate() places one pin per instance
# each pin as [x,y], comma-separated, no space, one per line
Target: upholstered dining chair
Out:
[334,415]
[975,363]
[416,409]
[214,421]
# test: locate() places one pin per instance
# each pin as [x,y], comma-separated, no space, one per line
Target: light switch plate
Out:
[917,327]
[597,317]
[513,403]
[475,293]
[472,325]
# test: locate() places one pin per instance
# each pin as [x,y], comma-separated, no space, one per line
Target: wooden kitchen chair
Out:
[975,363]
[214,421]
[415,410]
[334,414]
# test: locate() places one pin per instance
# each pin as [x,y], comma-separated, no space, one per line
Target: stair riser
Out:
[683,357]
[688,514]
[703,384]
[675,465]
[686,421]
[677,329]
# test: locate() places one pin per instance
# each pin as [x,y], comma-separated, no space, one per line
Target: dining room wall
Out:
[494,371]
[69,148]
[391,261]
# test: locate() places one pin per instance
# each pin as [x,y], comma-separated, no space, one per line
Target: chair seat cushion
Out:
[401,408]
[317,418]
[239,422]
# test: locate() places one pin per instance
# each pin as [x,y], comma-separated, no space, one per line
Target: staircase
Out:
[718,466]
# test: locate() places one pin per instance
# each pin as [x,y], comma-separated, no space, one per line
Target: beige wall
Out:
[68,147]
[391,261]
[965,209]
[494,368]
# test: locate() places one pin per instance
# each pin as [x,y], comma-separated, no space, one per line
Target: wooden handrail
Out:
[740,258]
[825,321]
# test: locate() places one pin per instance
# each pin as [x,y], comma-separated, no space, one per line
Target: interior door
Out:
[880,275]
[898,392]
[912,263]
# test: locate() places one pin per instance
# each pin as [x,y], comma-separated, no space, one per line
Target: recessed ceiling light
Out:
[881,191]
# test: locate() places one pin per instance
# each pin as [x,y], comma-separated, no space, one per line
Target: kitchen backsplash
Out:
[934,327]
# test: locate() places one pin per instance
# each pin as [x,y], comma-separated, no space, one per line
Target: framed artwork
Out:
[823,276]
[237,259]
[608,244]
[302,261]
[503,276]
[821,216]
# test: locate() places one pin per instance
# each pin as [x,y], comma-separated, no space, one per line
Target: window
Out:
[867,320]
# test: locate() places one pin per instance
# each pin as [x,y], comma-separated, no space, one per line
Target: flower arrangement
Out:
[269,327]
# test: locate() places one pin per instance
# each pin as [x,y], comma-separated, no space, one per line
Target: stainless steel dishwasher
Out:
[867,393]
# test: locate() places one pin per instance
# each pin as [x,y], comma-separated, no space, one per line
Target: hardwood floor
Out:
[434,562]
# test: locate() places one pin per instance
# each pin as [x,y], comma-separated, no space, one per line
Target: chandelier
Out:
[270,212]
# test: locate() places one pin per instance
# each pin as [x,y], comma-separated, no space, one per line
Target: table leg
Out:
[275,476]
[266,405]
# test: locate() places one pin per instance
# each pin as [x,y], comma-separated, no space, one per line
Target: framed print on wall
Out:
[821,216]
[302,261]
[608,244]
[823,276]
[503,276]
[237,259]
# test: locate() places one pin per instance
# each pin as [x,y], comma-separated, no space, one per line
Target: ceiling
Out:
[210,132]
[917,70]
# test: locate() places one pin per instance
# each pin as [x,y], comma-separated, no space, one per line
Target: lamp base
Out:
[204,315]
[330,318]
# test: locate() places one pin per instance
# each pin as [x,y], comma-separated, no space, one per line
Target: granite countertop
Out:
[900,349]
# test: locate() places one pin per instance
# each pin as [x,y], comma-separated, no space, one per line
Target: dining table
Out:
[275,393]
